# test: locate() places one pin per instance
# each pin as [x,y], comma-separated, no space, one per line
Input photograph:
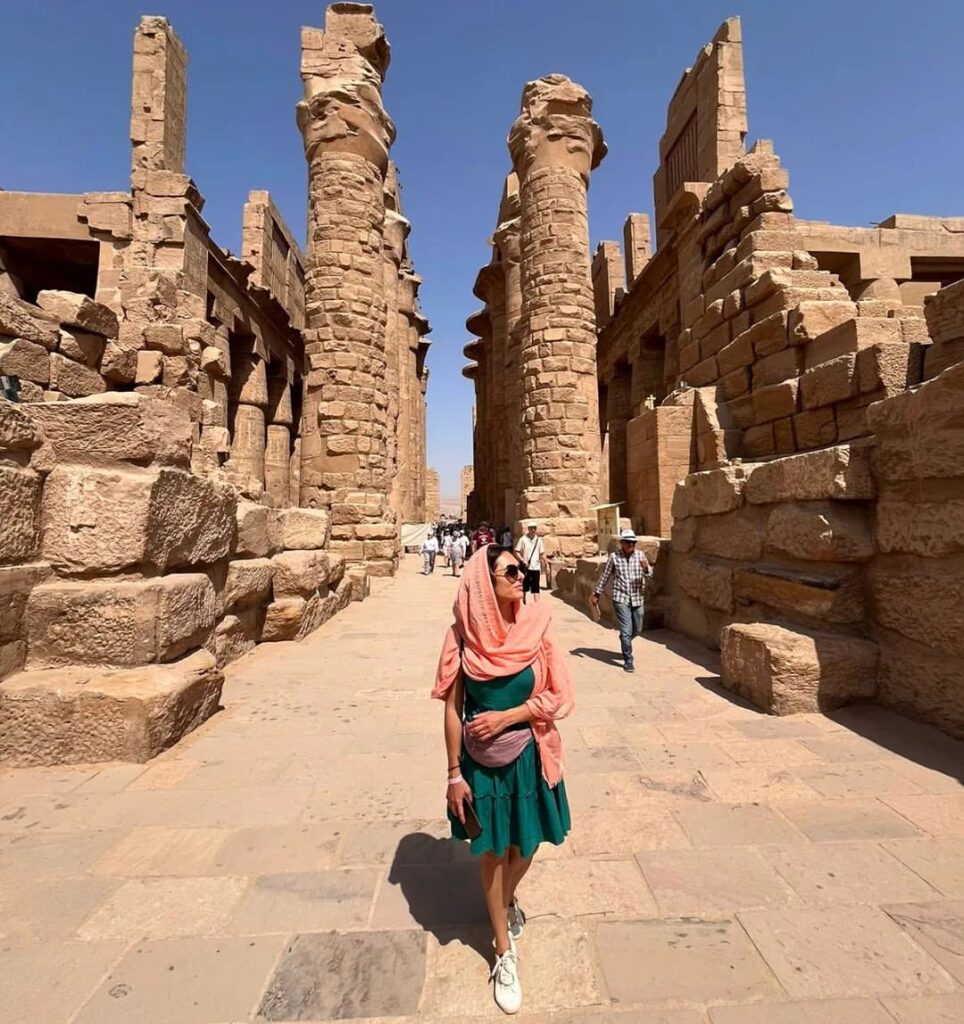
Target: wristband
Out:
[454,781]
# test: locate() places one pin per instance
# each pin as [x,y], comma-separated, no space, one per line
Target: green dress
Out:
[515,804]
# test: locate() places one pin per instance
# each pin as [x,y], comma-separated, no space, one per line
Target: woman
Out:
[502,671]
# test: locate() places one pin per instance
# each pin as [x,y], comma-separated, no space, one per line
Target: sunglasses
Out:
[511,572]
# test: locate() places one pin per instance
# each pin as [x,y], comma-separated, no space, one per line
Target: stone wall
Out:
[154,446]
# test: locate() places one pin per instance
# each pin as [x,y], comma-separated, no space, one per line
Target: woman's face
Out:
[507,589]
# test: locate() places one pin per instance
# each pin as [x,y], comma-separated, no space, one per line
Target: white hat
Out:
[627,534]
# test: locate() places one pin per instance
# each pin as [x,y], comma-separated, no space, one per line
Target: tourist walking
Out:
[460,545]
[429,552]
[628,569]
[505,682]
[532,556]
[446,548]
[482,536]
[505,537]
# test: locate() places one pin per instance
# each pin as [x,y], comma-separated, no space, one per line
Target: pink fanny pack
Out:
[500,750]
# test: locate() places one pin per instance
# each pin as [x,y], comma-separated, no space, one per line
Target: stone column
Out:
[277,452]
[506,239]
[554,145]
[347,135]
[395,229]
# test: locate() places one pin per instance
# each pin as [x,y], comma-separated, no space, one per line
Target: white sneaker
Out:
[506,987]
[517,920]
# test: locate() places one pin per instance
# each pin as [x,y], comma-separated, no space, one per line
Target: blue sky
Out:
[860,97]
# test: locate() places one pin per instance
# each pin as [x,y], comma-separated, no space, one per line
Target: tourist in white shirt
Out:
[532,555]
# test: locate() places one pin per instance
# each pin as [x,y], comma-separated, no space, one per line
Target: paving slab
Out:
[938,861]
[838,952]
[48,982]
[712,881]
[656,961]
[944,1009]
[820,1011]
[185,981]
[337,976]
[750,824]
[827,821]
[936,927]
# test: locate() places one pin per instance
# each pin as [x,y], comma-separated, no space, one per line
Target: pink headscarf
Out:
[484,646]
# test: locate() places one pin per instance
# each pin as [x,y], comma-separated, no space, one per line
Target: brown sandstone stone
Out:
[18,431]
[932,525]
[18,319]
[922,599]
[738,534]
[115,426]
[307,528]
[709,492]
[16,582]
[119,623]
[842,472]
[248,582]
[81,346]
[259,530]
[788,671]
[76,380]
[708,581]
[820,531]
[20,491]
[832,594]
[283,619]
[76,310]
[81,715]
[25,359]
[299,573]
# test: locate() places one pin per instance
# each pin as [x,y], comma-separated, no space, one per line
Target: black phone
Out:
[473,827]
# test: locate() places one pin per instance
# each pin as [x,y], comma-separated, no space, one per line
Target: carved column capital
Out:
[555,128]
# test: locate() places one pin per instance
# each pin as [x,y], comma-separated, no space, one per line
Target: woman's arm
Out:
[489,724]
[456,792]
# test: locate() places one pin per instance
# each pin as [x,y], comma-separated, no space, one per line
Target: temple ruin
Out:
[200,451]
[775,403]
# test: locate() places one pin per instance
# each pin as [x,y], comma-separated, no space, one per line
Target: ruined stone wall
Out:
[433,495]
[466,483]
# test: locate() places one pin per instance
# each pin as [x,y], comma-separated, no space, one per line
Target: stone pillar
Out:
[506,239]
[636,245]
[277,452]
[347,134]
[248,393]
[554,145]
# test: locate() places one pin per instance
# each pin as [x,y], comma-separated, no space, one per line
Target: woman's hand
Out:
[455,796]
[488,725]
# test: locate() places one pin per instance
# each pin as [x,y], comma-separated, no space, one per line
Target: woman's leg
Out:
[515,871]
[493,886]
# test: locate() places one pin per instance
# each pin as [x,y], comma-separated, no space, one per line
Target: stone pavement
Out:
[286,862]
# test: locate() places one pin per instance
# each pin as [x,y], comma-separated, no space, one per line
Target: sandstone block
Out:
[259,530]
[922,599]
[921,682]
[12,657]
[787,672]
[775,401]
[118,364]
[20,491]
[737,534]
[707,581]
[851,336]
[305,529]
[777,367]
[299,573]
[820,531]
[360,585]
[830,382]
[104,520]
[77,715]
[815,428]
[165,338]
[249,382]
[150,366]
[684,534]
[389,548]
[25,359]
[18,431]
[19,319]
[921,432]
[283,619]
[81,346]
[78,310]
[236,635]
[215,361]
[811,319]
[892,367]
[842,472]
[248,582]
[709,492]
[76,380]
[16,582]
[119,622]
[115,427]
[832,594]
[930,526]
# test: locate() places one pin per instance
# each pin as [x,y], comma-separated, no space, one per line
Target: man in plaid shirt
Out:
[628,569]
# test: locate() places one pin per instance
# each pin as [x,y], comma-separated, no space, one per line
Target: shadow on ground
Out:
[599,654]
[439,879]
